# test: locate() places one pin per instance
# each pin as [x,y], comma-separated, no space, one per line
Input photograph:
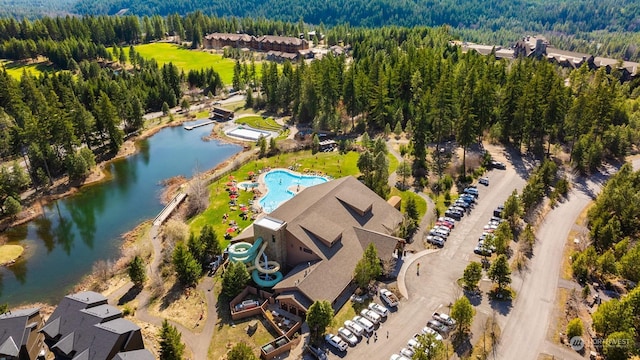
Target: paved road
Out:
[436,286]
[524,335]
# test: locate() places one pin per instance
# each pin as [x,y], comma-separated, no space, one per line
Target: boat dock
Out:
[191,127]
[164,214]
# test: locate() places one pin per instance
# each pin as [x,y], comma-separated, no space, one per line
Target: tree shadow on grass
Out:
[172,295]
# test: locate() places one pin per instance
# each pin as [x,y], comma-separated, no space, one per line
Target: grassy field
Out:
[15,69]
[187,59]
[259,122]
[9,253]
[333,164]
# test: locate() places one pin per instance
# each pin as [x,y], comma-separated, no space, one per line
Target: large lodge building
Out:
[263,43]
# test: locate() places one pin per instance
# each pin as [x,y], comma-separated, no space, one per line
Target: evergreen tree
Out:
[210,241]
[187,268]
[315,144]
[171,346]
[235,279]
[137,272]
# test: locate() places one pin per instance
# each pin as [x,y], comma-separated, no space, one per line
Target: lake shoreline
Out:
[62,188]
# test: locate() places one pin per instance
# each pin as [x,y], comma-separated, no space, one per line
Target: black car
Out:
[453,214]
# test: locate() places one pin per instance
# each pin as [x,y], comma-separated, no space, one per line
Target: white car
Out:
[354,327]
[398,357]
[379,309]
[348,336]
[412,343]
[366,324]
[435,240]
[336,342]
[484,181]
[428,330]
[445,319]
[407,352]
[371,315]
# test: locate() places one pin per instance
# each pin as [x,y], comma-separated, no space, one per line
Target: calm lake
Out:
[77,231]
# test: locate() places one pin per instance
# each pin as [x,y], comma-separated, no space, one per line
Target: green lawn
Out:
[421,204]
[333,164]
[259,122]
[15,69]
[187,59]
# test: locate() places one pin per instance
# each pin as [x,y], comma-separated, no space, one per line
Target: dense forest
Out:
[408,78]
[566,16]
[614,258]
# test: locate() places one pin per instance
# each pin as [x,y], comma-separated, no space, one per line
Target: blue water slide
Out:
[244,251]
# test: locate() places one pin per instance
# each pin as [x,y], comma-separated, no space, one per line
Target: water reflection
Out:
[76,232]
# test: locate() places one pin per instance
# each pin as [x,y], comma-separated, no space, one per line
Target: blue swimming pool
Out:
[279,183]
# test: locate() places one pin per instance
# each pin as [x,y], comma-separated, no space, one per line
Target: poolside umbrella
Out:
[233,196]
[229,183]
[231,177]
[230,230]
[251,173]
[233,189]
[244,208]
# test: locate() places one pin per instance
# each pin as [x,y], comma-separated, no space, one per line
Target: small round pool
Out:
[278,184]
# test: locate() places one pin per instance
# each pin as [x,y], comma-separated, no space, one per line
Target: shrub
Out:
[574,328]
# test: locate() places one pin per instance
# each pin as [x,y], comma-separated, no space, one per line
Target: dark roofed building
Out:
[19,334]
[263,43]
[320,235]
[84,326]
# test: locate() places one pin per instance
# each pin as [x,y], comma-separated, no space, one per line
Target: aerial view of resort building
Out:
[348,179]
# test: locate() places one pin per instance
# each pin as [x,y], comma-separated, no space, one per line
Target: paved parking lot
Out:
[435,288]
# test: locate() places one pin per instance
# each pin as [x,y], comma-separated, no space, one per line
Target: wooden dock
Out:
[191,127]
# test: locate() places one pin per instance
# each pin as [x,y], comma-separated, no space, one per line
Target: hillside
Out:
[35,8]
[568,16]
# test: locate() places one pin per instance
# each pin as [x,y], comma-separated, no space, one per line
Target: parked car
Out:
[498,165]
[428,330]
[448,219]
[468,197]
[389,298]
[247,304]
[445,224]
[438,232]
[444,318]
[371,315]
[481,250]
[366,324]
[435,240]
[358,298]
[348,336]
[354,327]
[316,352]
[336,342]
[484,181]
[438,326]
[398,357]
[379,309]
[408,352]
[453,214]
[472,191]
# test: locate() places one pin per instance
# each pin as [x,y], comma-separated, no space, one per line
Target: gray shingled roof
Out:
[91,328]
[15,329]
[135,355]
[9,347]
[320,212]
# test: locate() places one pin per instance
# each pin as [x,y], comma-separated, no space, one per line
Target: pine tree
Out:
[137,272]
[187,268]
[171,346]
[210,241]
[234,279]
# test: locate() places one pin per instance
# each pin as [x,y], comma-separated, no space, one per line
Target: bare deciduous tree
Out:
[198,195]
